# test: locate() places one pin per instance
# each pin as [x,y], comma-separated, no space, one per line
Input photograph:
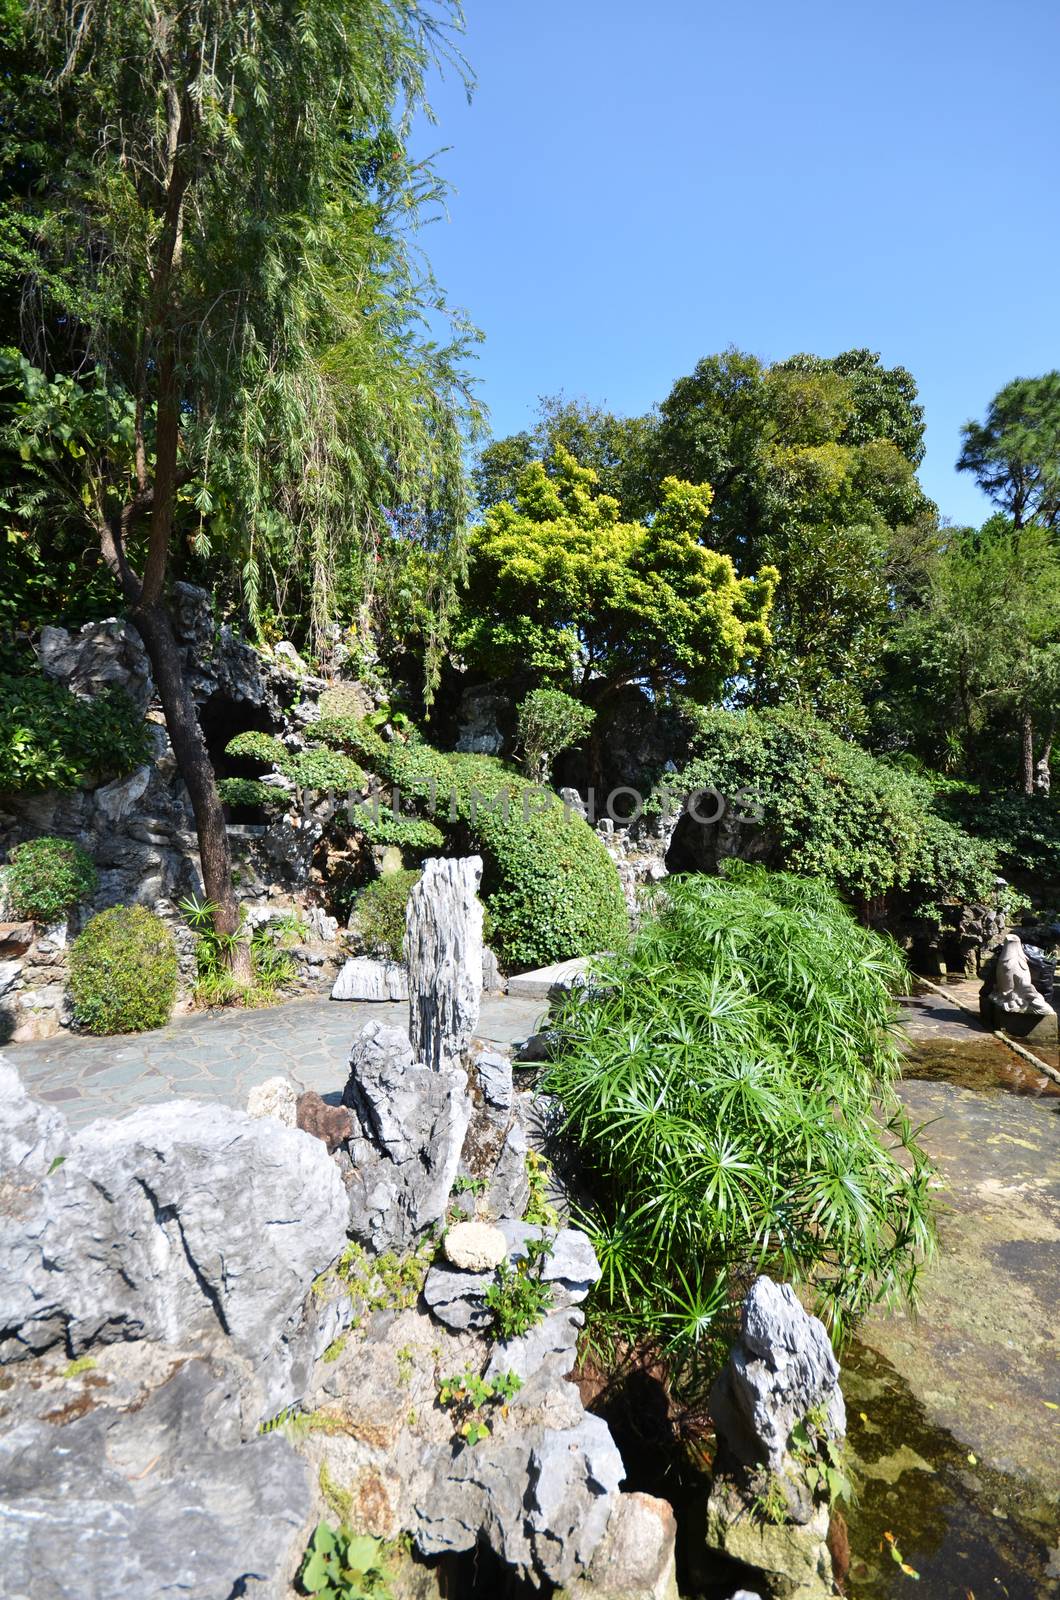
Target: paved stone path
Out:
[220,1056]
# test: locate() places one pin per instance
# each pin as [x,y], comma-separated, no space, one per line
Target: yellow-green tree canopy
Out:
[563,588]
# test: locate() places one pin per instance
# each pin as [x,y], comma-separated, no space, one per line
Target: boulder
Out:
[177,1221]
[276,1097]
[475,1246]
[365,978]
[443,950]
[635,1559]
[32,1135]
[540,1497]
[157,1498]
[101,655]
[781,1366]
[332,1124]
[409,1127]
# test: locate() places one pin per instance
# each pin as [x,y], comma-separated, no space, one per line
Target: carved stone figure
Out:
[1014,991]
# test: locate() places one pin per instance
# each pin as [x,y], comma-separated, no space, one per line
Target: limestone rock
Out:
[179,1220]
[494,1074]
[635,1560]
[365,978]
[276,1097]
[570,1267]
[552,1343]
[32,1135]
[780,1367]
[443,949]
[542,1499]
[475,1246]
[409,1127]
[792,1557]
[333,1124]
[458,1299]
[101,655]
[159,1499]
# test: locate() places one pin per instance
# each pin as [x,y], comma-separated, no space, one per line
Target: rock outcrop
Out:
[443,952]
[366,978]
[410,1124]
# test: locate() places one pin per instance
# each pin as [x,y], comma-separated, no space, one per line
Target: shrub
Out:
[52,739]
[729,1081]
[380,826]
[321,768]
[254,745]
[1022,830]
[342,700]
[47,877]
[548,722]
[833,811]
[380,913]
[250,792]
[123,971]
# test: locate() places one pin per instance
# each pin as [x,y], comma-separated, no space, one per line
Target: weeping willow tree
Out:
[226,340]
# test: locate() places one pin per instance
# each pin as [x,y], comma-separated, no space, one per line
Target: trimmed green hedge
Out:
[46,877]
[123,971]
[52,739]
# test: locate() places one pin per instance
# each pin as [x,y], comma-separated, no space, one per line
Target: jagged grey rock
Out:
[32,1135]
[552,1342]
[494,1073]
[443,951]
[365,978]
[570,1267]
[158,1499]
[276,1097]
[99,656]
[180,1220]
[781,1366]
[406,1147]
[458,1299]
[542,1499]
[635,1559]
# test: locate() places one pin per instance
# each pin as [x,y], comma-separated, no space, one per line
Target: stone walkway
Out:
[221,1055]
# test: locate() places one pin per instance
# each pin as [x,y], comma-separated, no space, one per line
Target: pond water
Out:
[954,1416]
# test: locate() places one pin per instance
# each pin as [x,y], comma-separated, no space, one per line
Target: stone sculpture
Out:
[1012,1002]
[443,949]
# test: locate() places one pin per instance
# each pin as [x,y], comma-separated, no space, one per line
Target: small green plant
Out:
[539,1209]
[379,825]
[272,965]
[335,1349]
[470,1398]
[251,792]
[821,1459]
[343,1565]
[339,1500]
[123,971]
[47,877]
[519,1298]
[388,1282]
[404,1365]
[769,1502]
[379,913]
[550,721]
[465,1185]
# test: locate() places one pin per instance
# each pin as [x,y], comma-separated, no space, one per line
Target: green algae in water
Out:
[966,1529]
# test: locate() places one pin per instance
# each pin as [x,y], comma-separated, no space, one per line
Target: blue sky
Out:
[637,186]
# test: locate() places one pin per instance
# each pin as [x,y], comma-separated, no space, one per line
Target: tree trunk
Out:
[156,629]
[1027,753]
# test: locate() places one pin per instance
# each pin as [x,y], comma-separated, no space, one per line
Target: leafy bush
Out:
[548,722]
[255,745]
[321,768]
[380,913]
[249,792]
[123,971]
[52,739]
[47,877]
[729,1082]
[272,965]
[342,700]
[1022,830]
[380,826]
[549,885]
[833,811]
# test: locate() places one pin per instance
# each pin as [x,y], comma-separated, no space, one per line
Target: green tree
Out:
[561,586]
[1015,454]
[983,644]
[218,240]
[618,449]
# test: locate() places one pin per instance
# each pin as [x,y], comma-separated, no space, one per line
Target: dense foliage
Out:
[46,877]
[379,913]
[729,1082]
[832,811]
[52,739]
[561,587]
[550,721]
[123,971]
[549,885]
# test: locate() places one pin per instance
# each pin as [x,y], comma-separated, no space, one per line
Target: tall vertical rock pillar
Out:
[443,950]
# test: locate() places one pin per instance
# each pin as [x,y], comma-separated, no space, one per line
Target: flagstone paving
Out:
[221,1055]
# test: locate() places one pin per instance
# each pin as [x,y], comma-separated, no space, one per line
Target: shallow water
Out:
[954,1416]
